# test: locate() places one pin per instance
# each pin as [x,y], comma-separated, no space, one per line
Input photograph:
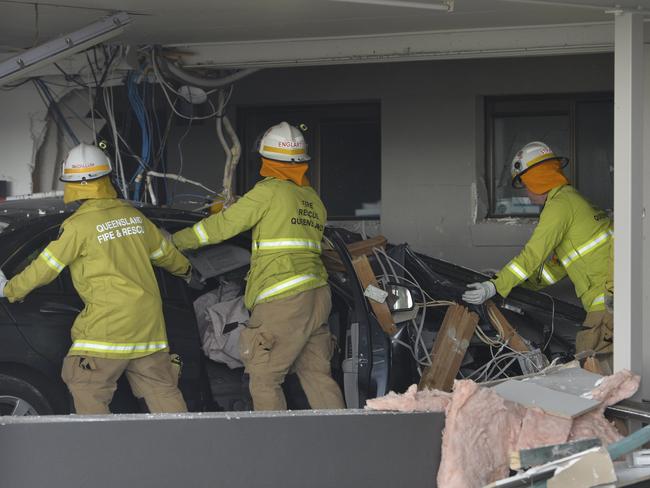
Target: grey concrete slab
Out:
[551,401]
[314,449]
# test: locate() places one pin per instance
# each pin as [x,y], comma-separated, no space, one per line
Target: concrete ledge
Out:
[237,449]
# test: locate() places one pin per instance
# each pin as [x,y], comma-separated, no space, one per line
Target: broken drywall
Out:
[23,120]
[32,145]
[481,428]
[54,146]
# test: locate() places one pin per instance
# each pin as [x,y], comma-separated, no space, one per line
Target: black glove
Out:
[194,280]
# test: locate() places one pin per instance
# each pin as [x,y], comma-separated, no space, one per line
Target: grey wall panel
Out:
[295,449]
[432,138]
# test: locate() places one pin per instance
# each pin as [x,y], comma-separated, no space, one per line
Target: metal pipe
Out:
[630,410]
[183,75]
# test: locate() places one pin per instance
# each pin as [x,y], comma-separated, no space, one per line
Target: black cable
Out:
[69,77]
[53,106]
[105,74]
[11,87]
[95,56]
[92,70]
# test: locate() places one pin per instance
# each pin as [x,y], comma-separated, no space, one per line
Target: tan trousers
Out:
[291,334]
[92,382]
[599,336]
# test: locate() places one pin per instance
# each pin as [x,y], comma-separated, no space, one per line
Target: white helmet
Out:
[84,163]
[284,142]
[531,155]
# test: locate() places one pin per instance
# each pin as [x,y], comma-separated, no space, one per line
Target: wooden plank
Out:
[553,402]
[505,330]
[527,458]
[367,277]
[449,348]
[593,365]
[360,248]
[366,246]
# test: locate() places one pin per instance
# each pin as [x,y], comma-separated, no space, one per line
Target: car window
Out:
[171,287]
[30,251]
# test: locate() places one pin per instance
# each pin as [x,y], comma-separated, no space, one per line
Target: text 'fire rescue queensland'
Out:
[122,227]
[305,216]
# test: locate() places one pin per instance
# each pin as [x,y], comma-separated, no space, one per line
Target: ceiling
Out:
[22,24]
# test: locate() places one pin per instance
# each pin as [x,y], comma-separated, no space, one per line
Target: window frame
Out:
[549,104]
[323,112]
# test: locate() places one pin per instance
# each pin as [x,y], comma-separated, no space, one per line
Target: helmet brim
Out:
[306,159]
[516,180]
[61,178]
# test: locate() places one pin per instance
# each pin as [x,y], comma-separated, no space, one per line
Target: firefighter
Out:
[572,238]
[287,288]
[110,248]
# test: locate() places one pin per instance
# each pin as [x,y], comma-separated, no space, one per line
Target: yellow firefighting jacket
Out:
[572,238]
[287,222]
[109,247]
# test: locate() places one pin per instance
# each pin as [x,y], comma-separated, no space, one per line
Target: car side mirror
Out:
[399,298]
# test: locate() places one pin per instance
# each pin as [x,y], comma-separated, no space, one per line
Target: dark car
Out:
[35,333]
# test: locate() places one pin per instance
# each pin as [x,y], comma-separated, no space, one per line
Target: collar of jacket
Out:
[555,191]
[100,204]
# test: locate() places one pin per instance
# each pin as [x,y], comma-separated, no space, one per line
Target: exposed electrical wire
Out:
[53,107]
[552,320]
[166,87]
[180,153]
[180,179]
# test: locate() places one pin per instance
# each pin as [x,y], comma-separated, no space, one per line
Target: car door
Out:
[183,337]
[182,331]
[46,315]
[366,367]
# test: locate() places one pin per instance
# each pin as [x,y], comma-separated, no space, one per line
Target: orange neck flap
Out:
[543,177]
[295,172]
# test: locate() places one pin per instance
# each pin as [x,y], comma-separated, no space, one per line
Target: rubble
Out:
[482,429]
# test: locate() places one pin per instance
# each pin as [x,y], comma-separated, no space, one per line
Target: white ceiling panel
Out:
[210,21]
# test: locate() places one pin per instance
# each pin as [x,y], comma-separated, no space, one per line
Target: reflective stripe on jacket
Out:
[287,222]
[109,247]
[579,235]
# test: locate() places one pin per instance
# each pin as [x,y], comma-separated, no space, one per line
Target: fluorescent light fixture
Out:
[446,6]
[50,52]
[603,8]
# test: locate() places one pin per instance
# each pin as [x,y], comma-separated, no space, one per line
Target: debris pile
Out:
[483,428]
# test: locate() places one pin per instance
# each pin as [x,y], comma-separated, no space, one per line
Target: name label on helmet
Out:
[290,144]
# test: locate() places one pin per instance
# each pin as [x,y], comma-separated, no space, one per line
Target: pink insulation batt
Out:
[481,428]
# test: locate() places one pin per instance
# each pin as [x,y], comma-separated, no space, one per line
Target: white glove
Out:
[3,282]
[479,292]
[165,234]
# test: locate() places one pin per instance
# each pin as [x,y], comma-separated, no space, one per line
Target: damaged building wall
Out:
[23,123]
[73,104]
[433,165]
[33,145]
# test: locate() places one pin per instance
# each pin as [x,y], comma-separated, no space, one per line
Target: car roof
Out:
[17,214]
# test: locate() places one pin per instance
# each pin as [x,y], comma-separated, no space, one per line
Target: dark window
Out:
[344,141]
[579,127]
[30,251]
